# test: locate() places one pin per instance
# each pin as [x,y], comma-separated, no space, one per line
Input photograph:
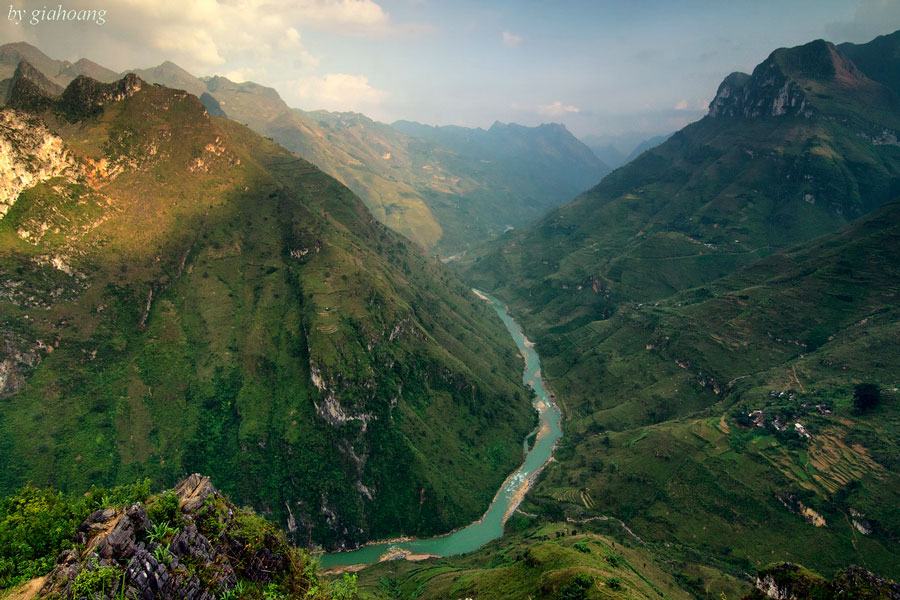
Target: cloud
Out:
[557,109]
[511,40]
[201,35]
[339,92]
[681,105]
[872,18]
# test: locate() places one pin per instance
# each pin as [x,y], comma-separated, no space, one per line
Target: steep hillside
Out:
[443,197]
[878,59]
[686,344]
[785,341]
[521,173]
[179,294]
[803,146]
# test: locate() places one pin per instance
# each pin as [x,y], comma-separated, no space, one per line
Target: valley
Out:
[255,351]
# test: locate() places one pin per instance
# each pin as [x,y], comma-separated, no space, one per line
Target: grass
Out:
[536,560]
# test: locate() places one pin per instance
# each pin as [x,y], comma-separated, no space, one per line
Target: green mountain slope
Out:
[682,416]
[444,197]
[877,59]
[179,294]
[666,310]
[801,147]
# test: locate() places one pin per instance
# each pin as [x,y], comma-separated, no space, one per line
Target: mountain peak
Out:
[30,89]
[85,96]
[791,81]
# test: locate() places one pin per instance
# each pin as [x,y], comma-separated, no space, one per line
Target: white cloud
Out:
[681,105]
[201,35]
[557,109]
[872,18]
[339,92]
[511,40]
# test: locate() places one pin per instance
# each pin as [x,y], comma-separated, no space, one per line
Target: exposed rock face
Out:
[85,96]
[736,97]
[29,154]
[776,87]
[17,356]
[786,581]
[191,565]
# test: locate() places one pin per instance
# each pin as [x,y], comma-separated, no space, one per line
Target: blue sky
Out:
[602,67]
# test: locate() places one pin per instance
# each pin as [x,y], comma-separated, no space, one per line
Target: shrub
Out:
[164,509]
[36,524]
[866,396]
[576,589]
[91,581]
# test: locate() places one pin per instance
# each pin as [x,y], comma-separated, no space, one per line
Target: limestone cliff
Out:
[29,154]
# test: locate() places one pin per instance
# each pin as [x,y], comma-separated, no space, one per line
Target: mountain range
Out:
[746,266]
[444,188]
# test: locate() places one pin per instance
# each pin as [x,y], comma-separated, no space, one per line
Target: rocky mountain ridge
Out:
[442,197]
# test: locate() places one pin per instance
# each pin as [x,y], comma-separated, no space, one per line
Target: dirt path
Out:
[25,591]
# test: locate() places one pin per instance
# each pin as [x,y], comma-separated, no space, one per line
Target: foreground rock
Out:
[186,544]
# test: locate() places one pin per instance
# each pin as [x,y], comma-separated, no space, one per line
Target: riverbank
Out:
[508,497]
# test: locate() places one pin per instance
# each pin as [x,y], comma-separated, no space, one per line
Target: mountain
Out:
[877,59]
[60,72]
[444,194]
[710,315]
[618,150]
[785,340]
[29,86]
[524,170]
[644,146]
[804,145]
[179,294]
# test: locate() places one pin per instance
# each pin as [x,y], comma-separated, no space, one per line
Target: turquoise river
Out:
[508,497]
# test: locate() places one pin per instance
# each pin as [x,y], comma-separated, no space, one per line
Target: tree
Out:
[866,396]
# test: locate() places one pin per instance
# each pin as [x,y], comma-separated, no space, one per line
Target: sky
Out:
[601,67]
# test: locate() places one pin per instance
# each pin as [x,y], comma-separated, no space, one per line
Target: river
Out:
[510,494]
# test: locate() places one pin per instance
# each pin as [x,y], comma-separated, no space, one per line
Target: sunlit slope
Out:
[188,296]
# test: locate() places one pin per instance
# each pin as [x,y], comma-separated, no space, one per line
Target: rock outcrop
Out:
[779,86]
[85,97]
[206,549]
[29,154]
[786,581]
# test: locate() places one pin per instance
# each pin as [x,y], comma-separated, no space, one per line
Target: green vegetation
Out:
[866,396]
[94,581]
[36,524]
[543,560]
[224,307]
[706,345]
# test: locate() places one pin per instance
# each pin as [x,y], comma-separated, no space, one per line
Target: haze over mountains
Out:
[445,191]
